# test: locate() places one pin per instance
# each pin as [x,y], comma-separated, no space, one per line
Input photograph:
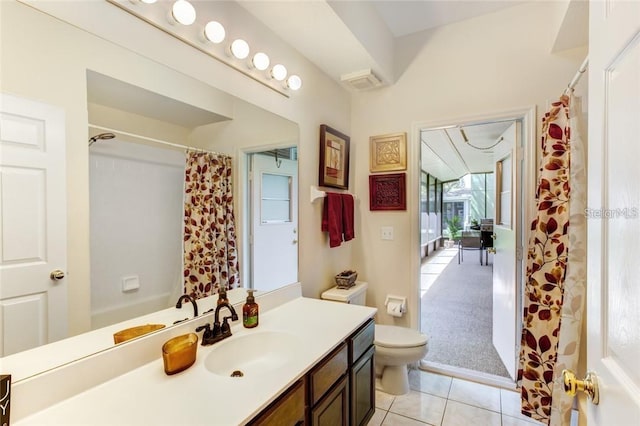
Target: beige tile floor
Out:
[439,400]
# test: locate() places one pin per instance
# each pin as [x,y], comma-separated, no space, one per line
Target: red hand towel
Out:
[347,217]
[332,218]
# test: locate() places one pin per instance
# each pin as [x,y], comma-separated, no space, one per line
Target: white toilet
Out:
[396,347]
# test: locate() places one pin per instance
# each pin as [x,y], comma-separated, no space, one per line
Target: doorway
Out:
[470,302]
[272,219]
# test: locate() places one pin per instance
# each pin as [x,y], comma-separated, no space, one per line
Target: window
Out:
[275,198]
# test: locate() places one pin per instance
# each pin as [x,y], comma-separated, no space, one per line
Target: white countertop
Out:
[46,357]
[196,396]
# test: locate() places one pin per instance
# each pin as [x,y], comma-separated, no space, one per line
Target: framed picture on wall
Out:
[388,153]
[334,158]
[387,192]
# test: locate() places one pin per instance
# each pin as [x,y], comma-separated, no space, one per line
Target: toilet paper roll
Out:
[394,309]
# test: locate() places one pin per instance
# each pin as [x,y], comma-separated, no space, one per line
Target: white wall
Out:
[488,64]
[45,58]
[136,203]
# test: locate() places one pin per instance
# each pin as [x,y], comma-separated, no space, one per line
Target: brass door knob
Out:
[491,250]
[589,385]
[494,236]
[56,275]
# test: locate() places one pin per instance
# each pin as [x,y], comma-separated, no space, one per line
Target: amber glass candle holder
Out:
[133,332]
[179,353]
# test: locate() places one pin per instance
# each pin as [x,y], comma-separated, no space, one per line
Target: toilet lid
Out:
[391,336]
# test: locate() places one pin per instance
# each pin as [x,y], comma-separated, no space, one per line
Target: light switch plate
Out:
[386,233]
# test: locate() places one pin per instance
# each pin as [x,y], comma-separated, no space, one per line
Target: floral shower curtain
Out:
[210,250]
[556,270]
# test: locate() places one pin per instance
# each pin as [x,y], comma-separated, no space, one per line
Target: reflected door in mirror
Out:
[274,222]
[33,300]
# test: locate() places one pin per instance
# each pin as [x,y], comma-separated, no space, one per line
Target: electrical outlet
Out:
[131,283]
[386,233]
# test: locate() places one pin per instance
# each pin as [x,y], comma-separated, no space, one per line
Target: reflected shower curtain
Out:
[210,250]
[556,270]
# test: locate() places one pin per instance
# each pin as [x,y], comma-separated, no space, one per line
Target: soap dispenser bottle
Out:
[250,311]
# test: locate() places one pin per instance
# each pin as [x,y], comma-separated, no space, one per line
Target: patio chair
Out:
[470,240]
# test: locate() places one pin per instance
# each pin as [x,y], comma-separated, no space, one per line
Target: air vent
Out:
[362,80]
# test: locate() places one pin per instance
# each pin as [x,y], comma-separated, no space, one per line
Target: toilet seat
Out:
[391,336]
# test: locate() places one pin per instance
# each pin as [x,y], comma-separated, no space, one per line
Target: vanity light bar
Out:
[279,72]
[240,49]
[214,32]
[260,61]
[184,13]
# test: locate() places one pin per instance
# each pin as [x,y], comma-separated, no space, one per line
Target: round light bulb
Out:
[294,82]
[240,48]
[183,12]
[279,72]
[148,1]
[260,61]
[214,32]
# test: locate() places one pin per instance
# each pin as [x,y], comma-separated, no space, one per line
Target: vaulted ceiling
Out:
[348,37]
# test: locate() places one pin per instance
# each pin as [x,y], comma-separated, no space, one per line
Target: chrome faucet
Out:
[184,298]
[218,332]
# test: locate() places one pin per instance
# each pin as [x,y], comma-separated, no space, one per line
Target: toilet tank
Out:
[356,295]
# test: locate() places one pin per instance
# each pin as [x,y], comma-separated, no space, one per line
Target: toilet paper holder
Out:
[397,300]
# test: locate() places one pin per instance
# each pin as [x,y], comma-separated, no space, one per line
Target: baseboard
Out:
[118,314]
[471,375]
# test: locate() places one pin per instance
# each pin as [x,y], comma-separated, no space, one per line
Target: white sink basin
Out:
[252,354]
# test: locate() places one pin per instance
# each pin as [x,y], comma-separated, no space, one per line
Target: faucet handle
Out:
[217,330]
[226,328]
[207,335]
[206,328]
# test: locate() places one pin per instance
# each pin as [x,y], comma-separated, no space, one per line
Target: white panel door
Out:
[613,300]
[33,306]
[505,280]
[274,211]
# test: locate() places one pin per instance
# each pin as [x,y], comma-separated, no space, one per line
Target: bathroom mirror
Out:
[241,128]
[136,185]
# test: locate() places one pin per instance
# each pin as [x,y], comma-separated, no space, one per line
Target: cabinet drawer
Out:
[289,409]
[328,372]
[361,340]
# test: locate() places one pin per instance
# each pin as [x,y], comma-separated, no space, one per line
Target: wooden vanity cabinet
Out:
[339,390]
[333,409]
[351,400]
[288,409]
[362,391]
[329,391]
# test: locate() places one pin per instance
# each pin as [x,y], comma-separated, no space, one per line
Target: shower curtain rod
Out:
[577,77]
[160,141]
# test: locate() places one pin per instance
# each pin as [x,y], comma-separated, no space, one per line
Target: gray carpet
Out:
[457,317]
